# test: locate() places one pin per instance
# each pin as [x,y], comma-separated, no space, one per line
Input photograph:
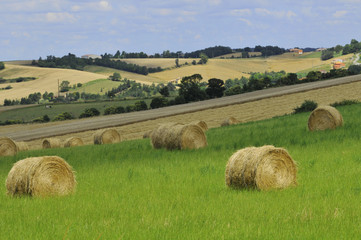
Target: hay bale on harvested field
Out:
[73,142]
[147,134]
[106,136]
[261,168]
[229,121]
[201,124]
[178,136]
[41,176]
[51,143]
[324,117]
[7,147]
[22,146]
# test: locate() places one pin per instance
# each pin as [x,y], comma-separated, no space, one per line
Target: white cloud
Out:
[340,13]
[241,12]
[104,5]
[248,22]
[163,11]
[277,14]
[60,17]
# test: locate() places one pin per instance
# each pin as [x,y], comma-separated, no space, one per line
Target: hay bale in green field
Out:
[262,168]
[73,142]
[7,147]
[229,121]
[106,136]
[324,117]
[178,136]
[41,176]
[51,143]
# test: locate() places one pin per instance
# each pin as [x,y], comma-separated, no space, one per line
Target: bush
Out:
[158,102]
[354,69]
[140,106]
[90,112]
[42,119]
[63,116]
[344,103]
[109,110]
[307,106]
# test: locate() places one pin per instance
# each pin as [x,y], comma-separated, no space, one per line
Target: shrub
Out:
[140,106]
[354,69]
[158,102]
[42,119]
[90,112]
[63,116]
[109,110]
[344,103]
[307,106]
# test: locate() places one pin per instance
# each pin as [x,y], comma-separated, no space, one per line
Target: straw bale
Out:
[178,136]
[7,147]
[201,124]
[324,117]
[73,142]
[41,176]
[106,136]
[261,168]
[22,146]
[229,121]
[51,143]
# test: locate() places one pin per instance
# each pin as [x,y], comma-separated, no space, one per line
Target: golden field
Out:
[47,78]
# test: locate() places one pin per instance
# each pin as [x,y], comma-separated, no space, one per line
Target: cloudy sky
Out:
[38,28]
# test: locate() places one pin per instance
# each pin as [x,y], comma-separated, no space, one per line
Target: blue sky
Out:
[38,28]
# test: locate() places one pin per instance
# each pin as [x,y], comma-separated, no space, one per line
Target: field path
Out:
[271,102]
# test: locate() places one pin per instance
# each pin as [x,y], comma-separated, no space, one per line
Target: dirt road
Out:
[246,107]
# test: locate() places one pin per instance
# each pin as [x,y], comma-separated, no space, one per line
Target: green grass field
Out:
[131,191]
[30,113]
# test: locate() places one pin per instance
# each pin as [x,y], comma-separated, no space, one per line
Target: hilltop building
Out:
[92,56]
[296,50]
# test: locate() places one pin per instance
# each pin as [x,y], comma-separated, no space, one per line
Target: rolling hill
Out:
[47,78]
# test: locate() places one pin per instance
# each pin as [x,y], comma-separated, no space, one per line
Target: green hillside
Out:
[131,191]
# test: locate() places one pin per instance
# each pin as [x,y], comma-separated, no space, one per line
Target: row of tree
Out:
[72,62]
[353,47]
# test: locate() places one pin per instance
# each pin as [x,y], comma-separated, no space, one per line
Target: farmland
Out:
[130,191]
[47,78]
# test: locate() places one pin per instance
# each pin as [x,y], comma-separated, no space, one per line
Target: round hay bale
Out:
[106,136]
[41,176]
[73,142]
[7,147]
[201,124]
[229,121]
[324,117]
[51,143]
[261,168]
[22,146]
[147,134]
[178,136]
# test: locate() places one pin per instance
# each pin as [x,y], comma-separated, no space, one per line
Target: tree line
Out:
[72,62]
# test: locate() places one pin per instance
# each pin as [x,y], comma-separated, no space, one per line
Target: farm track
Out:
[245,107]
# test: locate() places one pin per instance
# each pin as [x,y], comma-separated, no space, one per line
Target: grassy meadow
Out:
[30,113]
[131,191]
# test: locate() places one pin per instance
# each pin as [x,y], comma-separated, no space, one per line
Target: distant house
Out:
[338,65]
[320,49]
[296,50]
[92,56]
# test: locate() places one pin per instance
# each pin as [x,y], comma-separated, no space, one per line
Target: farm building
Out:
[296,50]
[338,65]
[93,56]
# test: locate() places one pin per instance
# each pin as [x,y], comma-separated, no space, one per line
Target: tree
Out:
[90,112]
[190,90]
[204,58]
[117,54]
[164,91]
[177,62]
[115,77]
[215,88]
[140,105]
[158,102]
[354,69]
[64,86]
[338,48]
[327,54]
[2,65]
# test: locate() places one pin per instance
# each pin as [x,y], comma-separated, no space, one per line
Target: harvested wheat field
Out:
[245,112]
[47,80]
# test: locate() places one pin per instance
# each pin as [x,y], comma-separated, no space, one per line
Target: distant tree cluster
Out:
[269,50]
[2,66]
[72,62]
